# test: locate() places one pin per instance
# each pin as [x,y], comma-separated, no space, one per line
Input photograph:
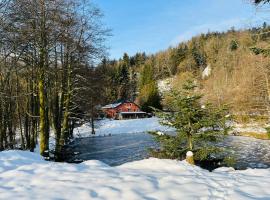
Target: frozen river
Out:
[249,152]
[118,149]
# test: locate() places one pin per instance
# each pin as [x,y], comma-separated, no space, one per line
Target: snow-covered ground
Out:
[252,127]
[112,127]
[25,175]
[165,85]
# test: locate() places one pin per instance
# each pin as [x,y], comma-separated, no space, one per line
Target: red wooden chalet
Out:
[123,109]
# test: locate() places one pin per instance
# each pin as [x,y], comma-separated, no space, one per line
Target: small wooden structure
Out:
[123,109]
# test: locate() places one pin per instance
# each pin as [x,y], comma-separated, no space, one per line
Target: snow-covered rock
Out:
[207,72]
[24,175]
[160,133]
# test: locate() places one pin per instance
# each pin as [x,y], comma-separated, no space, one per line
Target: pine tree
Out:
[149,97]
[196,125]
[177,56]
[126,60]
[233,45]
[124,82]
[199,56]
[149,94]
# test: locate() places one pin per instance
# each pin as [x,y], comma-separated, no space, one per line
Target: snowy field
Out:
[25,175]
[112,127]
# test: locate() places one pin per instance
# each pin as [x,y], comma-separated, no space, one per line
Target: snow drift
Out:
[24,175]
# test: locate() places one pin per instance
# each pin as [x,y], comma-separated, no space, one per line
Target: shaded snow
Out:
[24,175]
[112,127]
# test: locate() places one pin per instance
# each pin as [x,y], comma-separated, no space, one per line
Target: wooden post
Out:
[189,158]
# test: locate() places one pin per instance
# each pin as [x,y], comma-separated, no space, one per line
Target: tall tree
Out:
[44,45]
[149,95]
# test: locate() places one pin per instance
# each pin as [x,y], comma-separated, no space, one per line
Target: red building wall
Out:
[124,107]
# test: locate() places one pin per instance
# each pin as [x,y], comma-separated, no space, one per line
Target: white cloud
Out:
[204,28]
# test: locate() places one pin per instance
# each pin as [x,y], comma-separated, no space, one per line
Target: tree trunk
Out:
[44,140]
[190,145]
[65,125]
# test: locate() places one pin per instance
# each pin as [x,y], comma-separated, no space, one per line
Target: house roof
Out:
[113,105]
[116,104]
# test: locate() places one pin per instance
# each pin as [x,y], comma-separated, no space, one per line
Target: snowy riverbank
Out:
[112,127]
[25,175]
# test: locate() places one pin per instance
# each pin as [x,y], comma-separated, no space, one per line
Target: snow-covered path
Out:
[25,175]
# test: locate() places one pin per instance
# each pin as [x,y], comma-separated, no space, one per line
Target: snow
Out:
[112,127]
[252,128]
[160,133]
[165,85]
[114,105]
[24,175]
[207,72]
[189,154]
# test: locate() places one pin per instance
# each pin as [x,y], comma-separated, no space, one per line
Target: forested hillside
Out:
[236,74]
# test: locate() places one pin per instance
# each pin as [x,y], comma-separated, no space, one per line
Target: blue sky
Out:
[153,25]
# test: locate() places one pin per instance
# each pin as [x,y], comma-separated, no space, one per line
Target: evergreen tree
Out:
[149,94]
[233,45]
[199,55]
[177,56]
[149,97]
[196,125]
[147,75]
[124,82]
[126,60]
[264,25]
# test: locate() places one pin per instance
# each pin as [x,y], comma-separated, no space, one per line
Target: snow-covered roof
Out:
[114,105]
